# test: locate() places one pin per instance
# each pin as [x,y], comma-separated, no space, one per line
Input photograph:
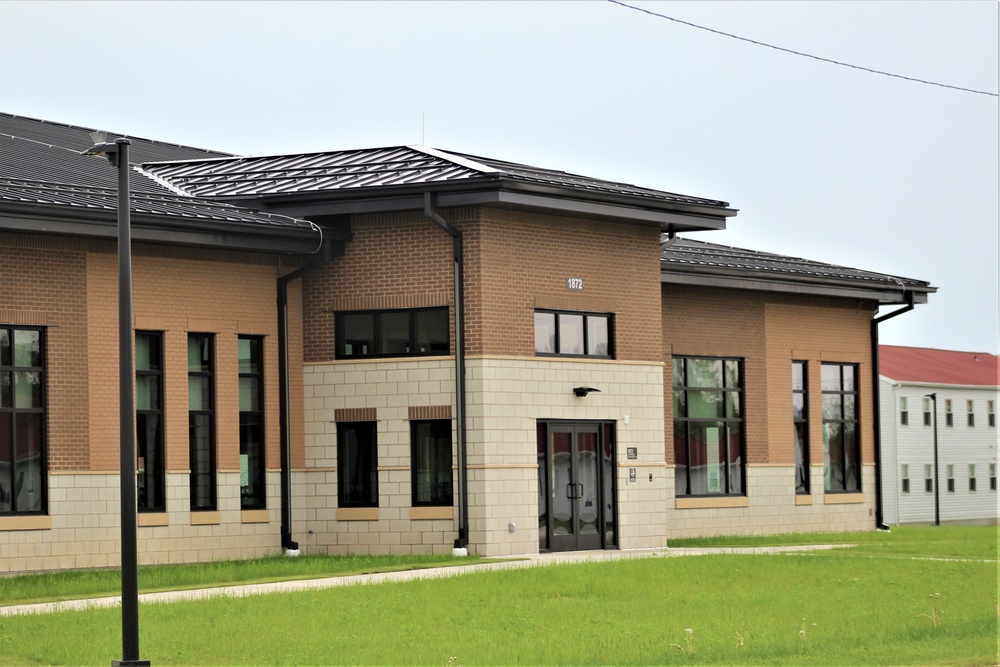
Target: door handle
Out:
[579,490]
[569,491]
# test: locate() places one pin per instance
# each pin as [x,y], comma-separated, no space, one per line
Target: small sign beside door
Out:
[632,452]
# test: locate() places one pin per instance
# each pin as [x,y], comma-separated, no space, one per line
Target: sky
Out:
[826,162]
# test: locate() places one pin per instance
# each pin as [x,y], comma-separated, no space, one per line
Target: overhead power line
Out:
[799,53]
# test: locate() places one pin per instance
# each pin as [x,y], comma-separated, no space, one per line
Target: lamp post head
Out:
[106,149]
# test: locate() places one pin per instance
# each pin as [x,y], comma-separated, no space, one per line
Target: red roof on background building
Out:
[922,364]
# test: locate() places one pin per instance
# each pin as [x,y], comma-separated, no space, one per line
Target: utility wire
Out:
[799,53]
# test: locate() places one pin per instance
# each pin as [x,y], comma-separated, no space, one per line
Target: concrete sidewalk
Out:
[523,561]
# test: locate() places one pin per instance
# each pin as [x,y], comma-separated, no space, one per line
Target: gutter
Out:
[876,400]
[462,541]
[326,255]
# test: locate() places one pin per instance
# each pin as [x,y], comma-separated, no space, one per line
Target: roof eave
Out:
[489,190]
[173,230]
[883,294]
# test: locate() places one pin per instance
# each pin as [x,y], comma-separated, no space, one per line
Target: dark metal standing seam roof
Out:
[397,166]
[689,257]
[43,175]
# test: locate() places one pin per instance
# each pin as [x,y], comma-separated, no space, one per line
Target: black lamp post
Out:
[117,154]
[937,504]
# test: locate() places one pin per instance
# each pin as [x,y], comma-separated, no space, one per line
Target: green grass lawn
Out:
[80,584]
[872,604]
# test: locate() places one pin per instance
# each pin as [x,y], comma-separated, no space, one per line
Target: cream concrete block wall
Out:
[85,526]
[507,397]
[773,507]
[391,388]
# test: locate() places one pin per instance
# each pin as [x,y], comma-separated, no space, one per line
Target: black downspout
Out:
[877,400]
[462,540]
[285,405]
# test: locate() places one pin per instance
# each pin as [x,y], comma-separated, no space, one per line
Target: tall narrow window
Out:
[22,421]
[928,479]
[970,412]
[708,426]
[905,475]
[253,472]
[972,477]
[150,469]
[949,417]
[201,420]
[927,411]
[841,444]
[993,477]
[991,415]
[800,418]
[950,469]
[357,464]
[904,415]
[430,456]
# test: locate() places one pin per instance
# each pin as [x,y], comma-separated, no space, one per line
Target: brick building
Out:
[402,350]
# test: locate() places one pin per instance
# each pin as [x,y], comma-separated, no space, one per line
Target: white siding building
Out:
[964,388]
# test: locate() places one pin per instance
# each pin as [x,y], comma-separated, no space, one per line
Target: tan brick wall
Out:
[514,262]
[769,331]
[43,281]
[523,261]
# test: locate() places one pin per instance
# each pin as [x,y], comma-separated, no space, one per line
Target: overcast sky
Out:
[825,162]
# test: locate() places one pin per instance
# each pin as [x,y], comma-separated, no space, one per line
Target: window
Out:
[357,464]
[991,415]
[993,477]
[948,415]
[928,479]
[800,418]
[927,411]
[841,444]
[972,477]
[905,475]
[392,333]
[708,426]
[253,472]
[430,455]
[201,421]
[904,417]
[970,413]
[573,334]
[950,469]
[22,421]
[150,469]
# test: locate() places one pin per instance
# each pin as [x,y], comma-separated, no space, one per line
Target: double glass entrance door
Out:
[576,508]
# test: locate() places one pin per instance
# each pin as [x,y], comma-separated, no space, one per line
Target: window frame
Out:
[11,409]
[993,477]
[686,438]
[970,412]
[802,482]
[991,415]
[905,477]
[557,342]
[843,419]
[344,467]
[211,502]
[417,457]
[157,478]
[972,477]
[928,478]
[248,499]
[904,415]
[949,416]
[377,326]
[927,411]
[950,477]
